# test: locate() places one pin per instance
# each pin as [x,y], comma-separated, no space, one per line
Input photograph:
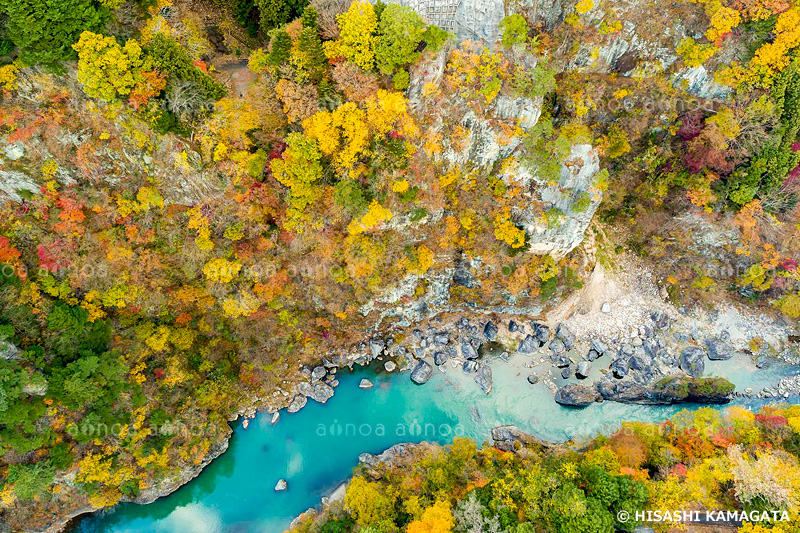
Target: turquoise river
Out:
[316,449]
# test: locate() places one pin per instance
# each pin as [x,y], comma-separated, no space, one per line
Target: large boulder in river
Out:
[484,378]
[692,361]
[577,395]
[584,367]
[297,403]
[667,391]
[421,373]
[321,392]
[719,350]
[510,439]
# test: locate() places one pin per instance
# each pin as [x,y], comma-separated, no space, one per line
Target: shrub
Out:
[515,30]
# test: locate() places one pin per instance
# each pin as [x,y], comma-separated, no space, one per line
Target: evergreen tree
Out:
[310,17]
[247,14]
[44,30]
[311,45]
[280,47]
[274,13]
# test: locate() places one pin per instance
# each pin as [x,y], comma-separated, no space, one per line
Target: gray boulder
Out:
[541,332]
[365,384]
[567,337]
[562,361]
[558,347]
[599,346]
[421,373]
[692,361]
[468,351]
[576,395]
[528,345]
[584,367]
[281,485]
[566,372]
[376,347]
[470,367]
[490,331]
[512,326]
[297,403]
[619,368]
[533,379]
[441,338]
[719,350]
[593,355]
[318,373]
[440,358]
[321,392]
[390,366]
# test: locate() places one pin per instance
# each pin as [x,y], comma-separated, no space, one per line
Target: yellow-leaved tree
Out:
[436,519]
[105,69]
[356,41]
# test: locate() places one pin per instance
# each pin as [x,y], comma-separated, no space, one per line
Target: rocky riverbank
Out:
[661,361]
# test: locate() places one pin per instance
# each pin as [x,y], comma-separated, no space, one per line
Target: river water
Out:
[316,448]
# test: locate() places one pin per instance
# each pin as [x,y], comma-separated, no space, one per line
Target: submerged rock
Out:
[484,379]
[365,384]
[533,379]
[577,395]
[421,373]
